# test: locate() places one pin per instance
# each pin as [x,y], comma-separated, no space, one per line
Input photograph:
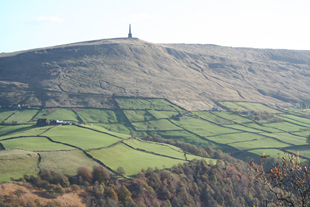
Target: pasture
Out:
[102,138]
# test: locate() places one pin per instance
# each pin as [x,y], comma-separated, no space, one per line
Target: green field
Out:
[58,114]
[138,115]
[97,115]
[23,115]
[33,144]
[15,163]
[5,113]
[227,131]
[81,137]
[65,161]
[157,148]
[161,124]
[132,160]
[246,106]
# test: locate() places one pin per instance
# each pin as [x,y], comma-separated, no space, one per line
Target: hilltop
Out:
[89,74]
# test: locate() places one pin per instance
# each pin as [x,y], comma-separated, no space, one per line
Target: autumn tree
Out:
[288,180]
[85,173]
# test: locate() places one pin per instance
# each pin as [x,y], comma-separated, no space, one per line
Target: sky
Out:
[277,24]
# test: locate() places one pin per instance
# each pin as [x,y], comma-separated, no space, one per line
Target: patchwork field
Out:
[107,132]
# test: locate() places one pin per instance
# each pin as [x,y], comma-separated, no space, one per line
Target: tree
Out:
[121,171]
[288,180]
[85,173]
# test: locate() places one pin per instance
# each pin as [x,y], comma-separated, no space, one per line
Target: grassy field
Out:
[213,118]
[97,115]
[246,106]
[138,115]
[33,144]
[81,137]
[161,124]
[151,104]
[58,114]
[227,131]
[157,148]
[16,163]
[65,161]
[5,113]
[23,115]
[132,160]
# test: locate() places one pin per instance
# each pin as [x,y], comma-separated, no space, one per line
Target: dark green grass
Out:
[246,106]
[138,115]
[303,150]
[66,162]
[233,117]
[236,137]
[151,104]
[97,115]
[211,117]
[5,113]
[244,128]
[33,144]
[58,114]
[203,128]
[259,143]
[163,114]
[255,155]
[28,131]
[285,137]
[13,129]
[287,127]
[23,115]
[161,124]
[15,163]
[262,128]
[131,160]
[297,119]
[157,148]
[303,133]
[184,136]
[81,137]
[99,128]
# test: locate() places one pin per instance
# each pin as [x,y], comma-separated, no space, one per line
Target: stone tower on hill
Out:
[129,34]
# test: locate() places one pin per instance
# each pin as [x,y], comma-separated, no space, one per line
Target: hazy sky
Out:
[28,24]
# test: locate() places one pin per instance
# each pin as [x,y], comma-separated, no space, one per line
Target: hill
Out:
[90,74]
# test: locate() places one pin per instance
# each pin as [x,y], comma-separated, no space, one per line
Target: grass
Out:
[97,115]
[303,133]
[98,128]
[184,136]
[15,163]
[131,160]
[161,124]
[246,106]
[158,148]
[138,115]
[259,143]
[30,131]
[287,127]
[257,153]
[299,120]
[235,137]
[149,104]
[233,117]
[58,114]
[286,137]
[5,113]
[244,128]
[262,128]
[34,144]
[211,117]
[162,114]
[23,115]
[81,137]
[66,162]
[203,128]
[13,129]
[303,150]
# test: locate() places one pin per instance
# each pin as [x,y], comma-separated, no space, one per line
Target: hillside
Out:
[89,74]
